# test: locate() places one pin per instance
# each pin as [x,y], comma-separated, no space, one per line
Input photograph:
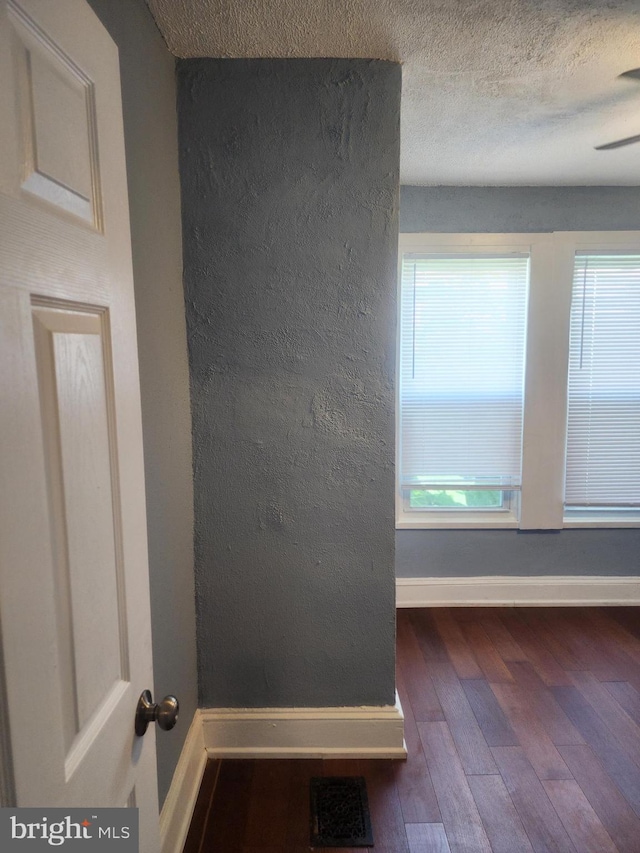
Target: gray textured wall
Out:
[289,175]
[519,209]
[151,140]
[447,553]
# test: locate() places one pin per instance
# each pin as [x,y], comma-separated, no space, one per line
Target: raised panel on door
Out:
[57,121]
[73,356]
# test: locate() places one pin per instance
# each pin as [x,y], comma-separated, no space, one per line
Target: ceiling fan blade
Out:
[628,141]
[634,74]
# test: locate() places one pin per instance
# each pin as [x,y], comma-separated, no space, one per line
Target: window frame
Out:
[539,505]
[602,242]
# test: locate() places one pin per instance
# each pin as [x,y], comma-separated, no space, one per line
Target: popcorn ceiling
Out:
[497,93]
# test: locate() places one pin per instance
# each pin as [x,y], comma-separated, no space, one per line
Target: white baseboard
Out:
[513,591]
[359,732]
[178,807]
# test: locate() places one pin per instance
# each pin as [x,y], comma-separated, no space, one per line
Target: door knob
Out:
[165,714]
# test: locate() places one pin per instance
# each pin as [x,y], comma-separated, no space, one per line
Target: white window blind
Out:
[463,321]
[603,431]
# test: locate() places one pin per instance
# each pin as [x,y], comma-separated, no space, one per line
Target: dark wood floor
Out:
[523,732]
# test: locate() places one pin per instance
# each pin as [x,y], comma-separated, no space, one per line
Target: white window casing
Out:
[536,500]
[545,413]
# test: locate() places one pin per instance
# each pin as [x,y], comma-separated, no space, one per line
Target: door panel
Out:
[77,409]
[55,101]
[74,602]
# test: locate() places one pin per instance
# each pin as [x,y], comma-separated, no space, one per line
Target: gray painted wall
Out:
[447,553]
[462,553]
[519,209]
[149,107]
[289,175]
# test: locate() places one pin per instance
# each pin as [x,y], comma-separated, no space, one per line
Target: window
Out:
[516,353]
[462,378]
[603,425]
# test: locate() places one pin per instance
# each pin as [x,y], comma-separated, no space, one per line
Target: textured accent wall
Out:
[453,553]
[289,175]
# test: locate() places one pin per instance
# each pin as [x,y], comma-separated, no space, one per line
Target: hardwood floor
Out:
[523,732]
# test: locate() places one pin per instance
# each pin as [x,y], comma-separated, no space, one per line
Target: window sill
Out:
[600,521]
[447,521]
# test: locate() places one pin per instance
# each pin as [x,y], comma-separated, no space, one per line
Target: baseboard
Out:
[358,732]
[178,807]
[513,591]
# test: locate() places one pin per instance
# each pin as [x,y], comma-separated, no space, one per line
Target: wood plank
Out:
[507,647]
[540,657]
[628,617]
[499,816]
[579,819]
[429,640]
[615,813]
[626,696]
[340,767]
[464,615]
[414,672]
[295,848]
[228,816]
[384,805]
[413,780]
[474,753]
[536,743]
[415,789]
[576,626]
[622,667]
[628,642]
[542,623]
[490,662]
[267,819]
[541,822]
[619,723]
[461,656]
[572,630]
[608,750]
[427,838]
[543,704]
[298,806]
[460,816]
[494,725]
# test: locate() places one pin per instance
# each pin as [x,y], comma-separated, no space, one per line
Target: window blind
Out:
[603,430]
[462,345]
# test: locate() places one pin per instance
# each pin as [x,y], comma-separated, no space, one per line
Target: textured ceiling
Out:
[495,92]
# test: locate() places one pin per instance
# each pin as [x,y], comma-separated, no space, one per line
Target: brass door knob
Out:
[165,714]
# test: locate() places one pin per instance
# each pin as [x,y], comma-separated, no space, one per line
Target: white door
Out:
[74,601]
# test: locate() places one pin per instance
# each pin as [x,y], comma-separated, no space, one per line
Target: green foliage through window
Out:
[459,499]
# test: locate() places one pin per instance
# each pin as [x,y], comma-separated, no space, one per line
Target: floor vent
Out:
[340,812]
